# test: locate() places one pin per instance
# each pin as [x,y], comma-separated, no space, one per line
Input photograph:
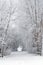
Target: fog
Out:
[21,25]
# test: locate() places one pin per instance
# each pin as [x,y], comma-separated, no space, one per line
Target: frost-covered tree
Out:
[6,12]
[35,12]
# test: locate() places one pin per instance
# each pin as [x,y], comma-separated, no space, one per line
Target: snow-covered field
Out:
[21,58]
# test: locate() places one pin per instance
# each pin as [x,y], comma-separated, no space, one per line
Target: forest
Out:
[21,24]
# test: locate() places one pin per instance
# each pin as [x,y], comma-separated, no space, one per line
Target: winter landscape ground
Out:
[21,58]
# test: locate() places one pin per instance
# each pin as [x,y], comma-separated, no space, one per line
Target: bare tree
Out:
[36,17]
[10,12]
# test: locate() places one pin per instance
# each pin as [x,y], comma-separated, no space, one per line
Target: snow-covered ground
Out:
[21,58]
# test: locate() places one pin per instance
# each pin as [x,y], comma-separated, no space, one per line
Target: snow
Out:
[19,48]
[21,58]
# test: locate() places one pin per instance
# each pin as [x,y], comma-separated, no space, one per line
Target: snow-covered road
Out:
[18,55]
[21,58]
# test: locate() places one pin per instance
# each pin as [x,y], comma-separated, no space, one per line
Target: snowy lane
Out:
[21,58]
[20,55]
